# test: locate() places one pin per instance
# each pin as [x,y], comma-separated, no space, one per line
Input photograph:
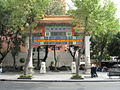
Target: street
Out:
[7,85]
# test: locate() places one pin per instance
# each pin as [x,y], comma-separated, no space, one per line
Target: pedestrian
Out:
[93,71]
[98,68]
[104,69]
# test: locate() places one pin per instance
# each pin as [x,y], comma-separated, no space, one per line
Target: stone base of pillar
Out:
[73,68]
[30,70]
[43,68]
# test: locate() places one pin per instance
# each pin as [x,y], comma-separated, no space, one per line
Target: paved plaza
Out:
[57,76]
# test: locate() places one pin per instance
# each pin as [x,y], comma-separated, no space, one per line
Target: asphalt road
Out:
[7,85]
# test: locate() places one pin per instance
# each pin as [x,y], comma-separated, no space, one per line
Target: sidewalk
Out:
[57,77]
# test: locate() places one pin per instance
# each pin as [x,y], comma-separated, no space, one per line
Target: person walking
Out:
[93,71]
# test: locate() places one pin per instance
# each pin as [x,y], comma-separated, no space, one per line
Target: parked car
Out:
[116,66]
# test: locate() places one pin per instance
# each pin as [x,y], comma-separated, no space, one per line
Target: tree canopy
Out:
[56,7]
[99,20]
[96,17]
[114,45]
[15,14]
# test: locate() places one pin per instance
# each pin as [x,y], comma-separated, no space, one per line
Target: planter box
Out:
[24,78]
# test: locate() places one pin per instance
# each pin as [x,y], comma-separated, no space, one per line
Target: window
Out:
[37,34]
[58,33]
[58,28]
[77,34]
[47,34]
[69,34]
[56,48]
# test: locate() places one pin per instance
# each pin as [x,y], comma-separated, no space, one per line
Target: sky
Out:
[117,3]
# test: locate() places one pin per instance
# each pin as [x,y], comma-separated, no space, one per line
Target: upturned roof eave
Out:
[56,19]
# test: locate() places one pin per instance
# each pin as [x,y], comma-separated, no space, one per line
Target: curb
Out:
[61,80]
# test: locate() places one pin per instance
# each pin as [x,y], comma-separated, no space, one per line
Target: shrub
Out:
[76,77]
[27,75]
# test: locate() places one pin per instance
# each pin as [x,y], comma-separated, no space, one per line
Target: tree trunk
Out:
[78,63]
[46,53]
[55,58]
[74,59]
[29,52]
[38,62]
[3,56]
[103,45]
[100,59]
[14,62]
[15,53]
[73,55]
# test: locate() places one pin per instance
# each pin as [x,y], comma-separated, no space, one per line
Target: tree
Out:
[99,44]
[114,46]
[7,27]
[109,28]
[72,49]
[56,7]
[15,49]
[18,13]
[3,30]
[35,9]
[98,19]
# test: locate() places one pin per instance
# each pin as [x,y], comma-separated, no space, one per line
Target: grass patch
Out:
[27,76]
[77,77]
